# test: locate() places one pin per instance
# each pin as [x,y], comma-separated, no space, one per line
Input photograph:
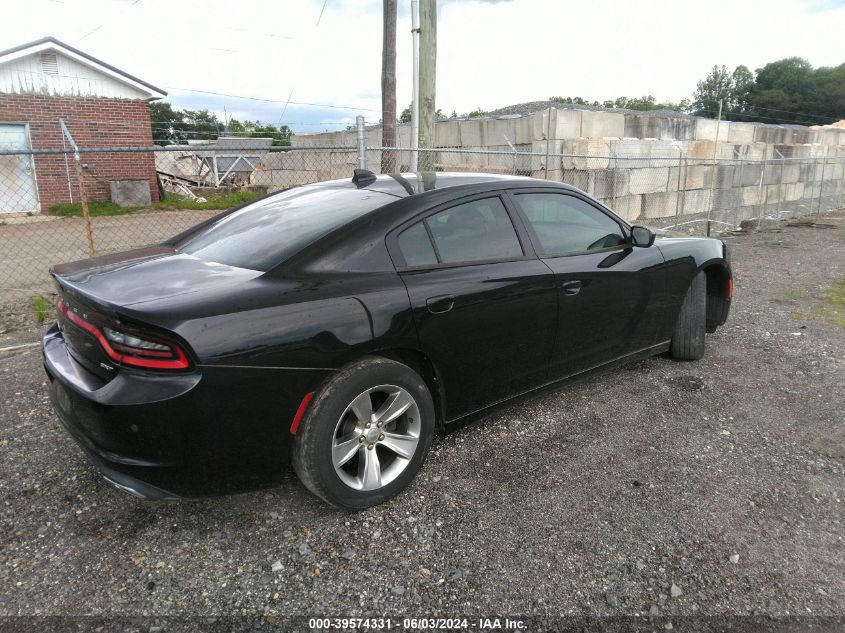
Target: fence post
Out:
[781,187]
[548,140]
[613,163]
[83,195]
[741,186]
[362,142]
[760,200]
[821,183]
[678,192]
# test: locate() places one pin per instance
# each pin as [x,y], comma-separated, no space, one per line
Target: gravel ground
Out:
[676,490]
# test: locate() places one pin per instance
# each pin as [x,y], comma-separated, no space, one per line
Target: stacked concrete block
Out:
[660,204]
[649,180]
[740,133]
[641,165]
[695,201]
[646,153]
[610,183]
[586,153]
[628,207]
[645,126]
[702,150]
[773,134]
[602,124]
[711,130]
[726,199]
[539,151]
[751,196]
[564,124]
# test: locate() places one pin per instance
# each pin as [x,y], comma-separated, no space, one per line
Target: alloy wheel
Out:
[376,437]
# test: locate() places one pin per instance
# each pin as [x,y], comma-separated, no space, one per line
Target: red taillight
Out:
[730,288]
[300,412]
[130,349]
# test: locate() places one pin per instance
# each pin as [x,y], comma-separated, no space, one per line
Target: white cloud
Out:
[490,54]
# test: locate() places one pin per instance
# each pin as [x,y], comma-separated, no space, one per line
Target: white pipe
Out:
[415,99]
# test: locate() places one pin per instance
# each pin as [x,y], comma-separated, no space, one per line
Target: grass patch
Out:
[222,200]
[830,306]
[791,293]
[41,308]
[95,208]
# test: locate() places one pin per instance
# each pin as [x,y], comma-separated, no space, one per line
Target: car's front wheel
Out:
[365,435]
[688,337]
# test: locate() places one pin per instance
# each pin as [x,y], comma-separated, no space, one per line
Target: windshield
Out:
[267,232]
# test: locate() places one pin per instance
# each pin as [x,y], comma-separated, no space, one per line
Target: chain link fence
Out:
[59,205]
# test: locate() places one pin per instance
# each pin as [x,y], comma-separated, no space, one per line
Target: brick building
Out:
[45,81]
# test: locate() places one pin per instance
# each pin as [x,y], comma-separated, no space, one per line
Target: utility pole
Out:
[388,88]
[415,99]
[428,74]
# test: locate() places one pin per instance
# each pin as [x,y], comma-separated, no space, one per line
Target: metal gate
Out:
[18,192]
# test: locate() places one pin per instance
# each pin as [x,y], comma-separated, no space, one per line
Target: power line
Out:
[97,28]
[290,96]
[753,117]
[302,103]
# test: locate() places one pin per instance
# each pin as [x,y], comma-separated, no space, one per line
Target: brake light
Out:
[130,349]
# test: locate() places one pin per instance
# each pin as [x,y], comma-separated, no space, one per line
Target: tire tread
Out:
[688,339]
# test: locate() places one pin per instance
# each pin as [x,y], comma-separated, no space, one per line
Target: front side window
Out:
[565,224]
[475,231]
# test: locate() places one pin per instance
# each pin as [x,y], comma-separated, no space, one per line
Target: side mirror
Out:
[642,236]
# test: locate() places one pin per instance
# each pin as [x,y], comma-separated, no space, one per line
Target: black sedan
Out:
[339,325]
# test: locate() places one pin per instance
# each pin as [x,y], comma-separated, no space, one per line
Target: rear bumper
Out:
[215,430]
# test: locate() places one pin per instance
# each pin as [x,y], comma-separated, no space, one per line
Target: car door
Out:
[608,290]
[484,306]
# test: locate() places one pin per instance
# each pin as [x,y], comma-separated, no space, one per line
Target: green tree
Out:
[171,126]
[717,87]
[743,82]
[783,92]
[255,129]
[405,115]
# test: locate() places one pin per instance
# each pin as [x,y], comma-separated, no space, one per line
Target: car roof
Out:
[405,185]
[359,246]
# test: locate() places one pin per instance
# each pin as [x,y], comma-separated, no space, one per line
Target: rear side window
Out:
[416,247]
[267,232]
[474,231]
[566,224]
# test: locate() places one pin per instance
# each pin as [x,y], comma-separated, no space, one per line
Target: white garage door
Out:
[18,192]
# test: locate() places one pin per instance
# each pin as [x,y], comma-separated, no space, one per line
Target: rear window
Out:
[266,233]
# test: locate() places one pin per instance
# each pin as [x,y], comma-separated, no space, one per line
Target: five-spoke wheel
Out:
[376,437]
[365,434]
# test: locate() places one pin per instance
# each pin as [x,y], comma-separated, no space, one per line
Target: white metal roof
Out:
[48,66]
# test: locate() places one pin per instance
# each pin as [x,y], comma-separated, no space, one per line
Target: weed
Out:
[41,308]
[95,208]
[223,200]
[792,293]
[830,306]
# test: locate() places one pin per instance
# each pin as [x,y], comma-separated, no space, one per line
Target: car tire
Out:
[688,338]
[338,411]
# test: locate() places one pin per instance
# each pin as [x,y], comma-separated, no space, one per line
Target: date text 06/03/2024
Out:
[416,624]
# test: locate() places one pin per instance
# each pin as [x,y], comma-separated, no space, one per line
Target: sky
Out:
[314,64]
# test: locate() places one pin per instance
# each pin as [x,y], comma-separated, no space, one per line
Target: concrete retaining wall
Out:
[641,165]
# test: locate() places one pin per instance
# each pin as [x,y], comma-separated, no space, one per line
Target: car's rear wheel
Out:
[688,338]
[365,435]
